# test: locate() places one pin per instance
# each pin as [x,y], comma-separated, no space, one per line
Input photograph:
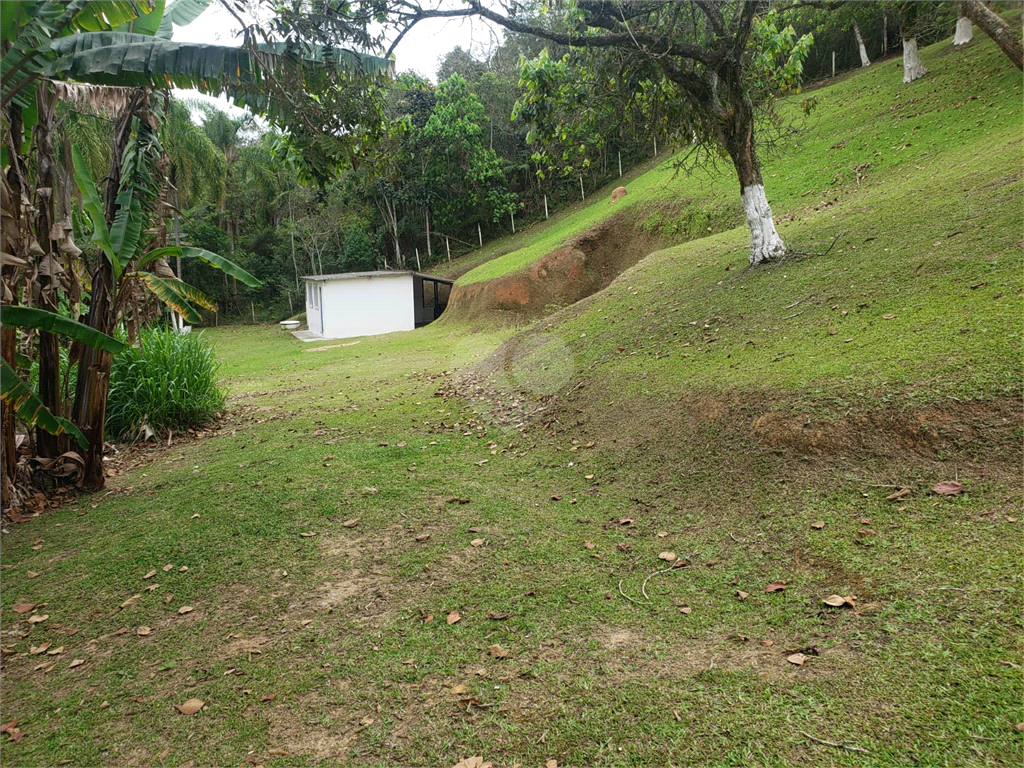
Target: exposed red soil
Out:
[585,265]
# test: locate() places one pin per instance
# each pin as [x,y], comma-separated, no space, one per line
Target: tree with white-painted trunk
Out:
[996,27]
[713,67]
[964,30]
[913,67]
[864,60]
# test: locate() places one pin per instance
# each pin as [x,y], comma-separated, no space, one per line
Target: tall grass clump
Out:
[167,384]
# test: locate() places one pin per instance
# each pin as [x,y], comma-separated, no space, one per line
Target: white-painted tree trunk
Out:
[913,67]
[964,31]
[864,60]
[765,242]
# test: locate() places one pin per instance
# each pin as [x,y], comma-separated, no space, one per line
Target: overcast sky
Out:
[419,51]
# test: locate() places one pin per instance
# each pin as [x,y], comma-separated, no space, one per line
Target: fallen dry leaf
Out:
[556,497]
[308,534]
[150,575]
[775,586]
[35,650]
[686,609]
[668,557]
[476,761]
[31,574]
[423,537]
[897,494]
[589,545]
[55,651]
[269,697]
[130,601]
[818,524]
[948,488]
[143,631]
[168,567]
[888,317]
[185,609]
[838,601]
[196,516]
[497,651]
[453,617]
[662,534]
[460,689]
[797,658]
[36,618]
[191,706]
[151,587]
[23,607]
[476,543]
[76,663]
[352,523]
[742,595]
[13,732]
[551,764]
[767,643]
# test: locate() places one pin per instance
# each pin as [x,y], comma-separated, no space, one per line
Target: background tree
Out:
[996,27]
[722,63]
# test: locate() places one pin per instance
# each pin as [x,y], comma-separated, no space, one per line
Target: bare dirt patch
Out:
[587,263]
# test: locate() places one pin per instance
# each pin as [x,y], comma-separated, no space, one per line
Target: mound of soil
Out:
[585,265]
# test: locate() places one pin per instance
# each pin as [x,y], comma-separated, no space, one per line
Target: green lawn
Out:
[739,421]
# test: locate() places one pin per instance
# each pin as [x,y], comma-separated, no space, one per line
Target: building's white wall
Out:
[365,306]
[313,311]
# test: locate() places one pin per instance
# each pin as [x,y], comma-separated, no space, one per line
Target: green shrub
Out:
[359,255]
[169,384]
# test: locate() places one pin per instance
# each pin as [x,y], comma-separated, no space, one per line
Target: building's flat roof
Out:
[378,273]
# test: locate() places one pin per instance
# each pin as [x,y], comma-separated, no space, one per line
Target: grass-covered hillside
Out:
[606,537]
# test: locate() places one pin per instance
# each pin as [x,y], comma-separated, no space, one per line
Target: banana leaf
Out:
[181,13]
[30,317]
[93,206]
[177,295]
[17,394]
[211,258]
[149,22]
[127,229]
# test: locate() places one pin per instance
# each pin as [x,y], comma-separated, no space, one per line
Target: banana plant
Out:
[18,395]
[122,242]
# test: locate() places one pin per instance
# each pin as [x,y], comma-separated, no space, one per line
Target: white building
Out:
[371,303]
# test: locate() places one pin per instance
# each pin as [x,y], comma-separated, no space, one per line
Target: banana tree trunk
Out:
[8,342]
[47,445]
[93,383]
[13,187]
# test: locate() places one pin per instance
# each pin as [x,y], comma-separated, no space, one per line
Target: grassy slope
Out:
[918,673]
